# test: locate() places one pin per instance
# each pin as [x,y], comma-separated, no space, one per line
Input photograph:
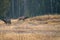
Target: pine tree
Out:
[4,4]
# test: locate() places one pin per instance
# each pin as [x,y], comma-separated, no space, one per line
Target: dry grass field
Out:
[46,27]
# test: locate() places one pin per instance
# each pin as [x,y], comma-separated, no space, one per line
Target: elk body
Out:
[23,18]
[6,20]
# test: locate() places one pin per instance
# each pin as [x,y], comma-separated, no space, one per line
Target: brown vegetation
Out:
[45,27]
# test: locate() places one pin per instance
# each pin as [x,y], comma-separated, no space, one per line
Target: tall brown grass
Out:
[36,23]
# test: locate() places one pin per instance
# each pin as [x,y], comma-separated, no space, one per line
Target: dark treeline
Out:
[30,7]
[4,5]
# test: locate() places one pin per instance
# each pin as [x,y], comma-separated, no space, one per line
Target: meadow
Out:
[46,27]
